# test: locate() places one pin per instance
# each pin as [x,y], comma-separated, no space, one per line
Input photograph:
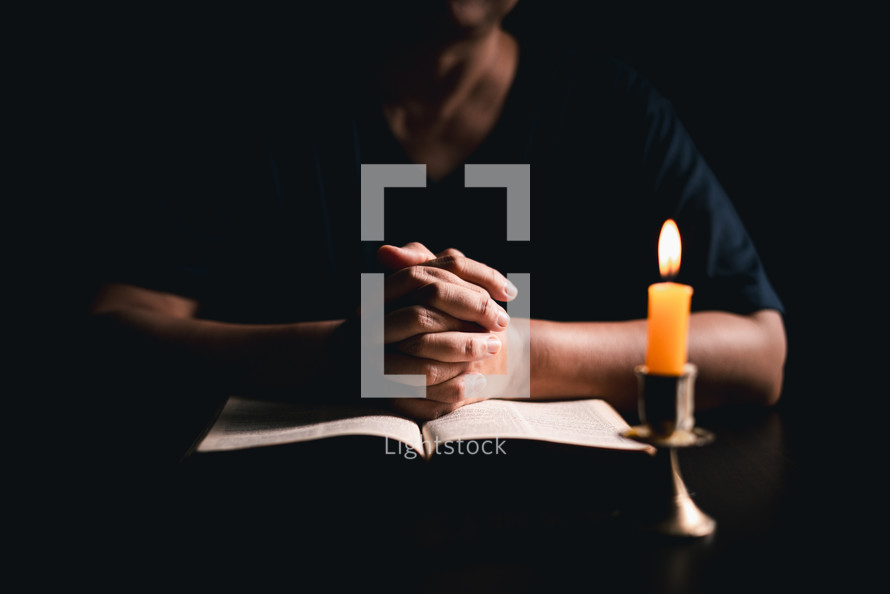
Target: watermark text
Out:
[475,447]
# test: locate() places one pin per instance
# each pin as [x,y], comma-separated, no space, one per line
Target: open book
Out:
[479,428]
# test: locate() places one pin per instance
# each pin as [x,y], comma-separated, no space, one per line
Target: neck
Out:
[443,74]
[442,101]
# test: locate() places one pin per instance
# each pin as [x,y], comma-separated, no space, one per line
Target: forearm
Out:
[241,356]
[740,358]
[159,334]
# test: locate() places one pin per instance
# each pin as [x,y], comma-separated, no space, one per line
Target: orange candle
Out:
[668,321]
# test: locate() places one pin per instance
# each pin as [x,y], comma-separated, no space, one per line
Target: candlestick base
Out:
[665,405]
[671,510]
[680,438]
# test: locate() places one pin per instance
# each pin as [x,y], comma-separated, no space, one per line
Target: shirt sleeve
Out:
[166,228]
[719,258]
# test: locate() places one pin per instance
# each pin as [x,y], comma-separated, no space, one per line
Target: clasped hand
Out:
[443,321]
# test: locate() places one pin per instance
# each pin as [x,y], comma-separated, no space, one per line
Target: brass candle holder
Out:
[666,405]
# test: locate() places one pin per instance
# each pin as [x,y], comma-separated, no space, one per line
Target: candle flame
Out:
[669,249]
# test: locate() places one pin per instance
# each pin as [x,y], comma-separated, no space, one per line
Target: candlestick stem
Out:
[666,409]
[674,512]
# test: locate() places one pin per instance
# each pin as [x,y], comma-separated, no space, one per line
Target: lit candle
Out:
[668,322]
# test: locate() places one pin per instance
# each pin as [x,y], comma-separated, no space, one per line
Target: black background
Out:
[780,99]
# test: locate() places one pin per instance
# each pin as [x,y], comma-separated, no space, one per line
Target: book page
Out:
[247,423]
[588,422]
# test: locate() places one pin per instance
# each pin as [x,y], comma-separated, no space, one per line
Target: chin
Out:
[471,16]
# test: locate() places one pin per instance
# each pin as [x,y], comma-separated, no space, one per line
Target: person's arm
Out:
[448,300]
[163,326]
[740,358]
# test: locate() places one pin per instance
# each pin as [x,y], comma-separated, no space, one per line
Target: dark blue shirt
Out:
[261,222]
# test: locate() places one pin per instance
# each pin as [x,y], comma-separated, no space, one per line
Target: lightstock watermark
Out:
[474,447]
[515,178]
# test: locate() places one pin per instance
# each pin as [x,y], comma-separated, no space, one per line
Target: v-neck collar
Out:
[490,150]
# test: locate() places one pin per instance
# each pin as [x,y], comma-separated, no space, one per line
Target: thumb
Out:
[411,254]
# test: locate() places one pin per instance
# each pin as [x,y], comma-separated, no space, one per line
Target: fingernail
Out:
[510,290]
[474,383]
[494,345]
[503,319]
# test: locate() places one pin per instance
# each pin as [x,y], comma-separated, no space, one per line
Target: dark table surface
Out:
[796,507]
